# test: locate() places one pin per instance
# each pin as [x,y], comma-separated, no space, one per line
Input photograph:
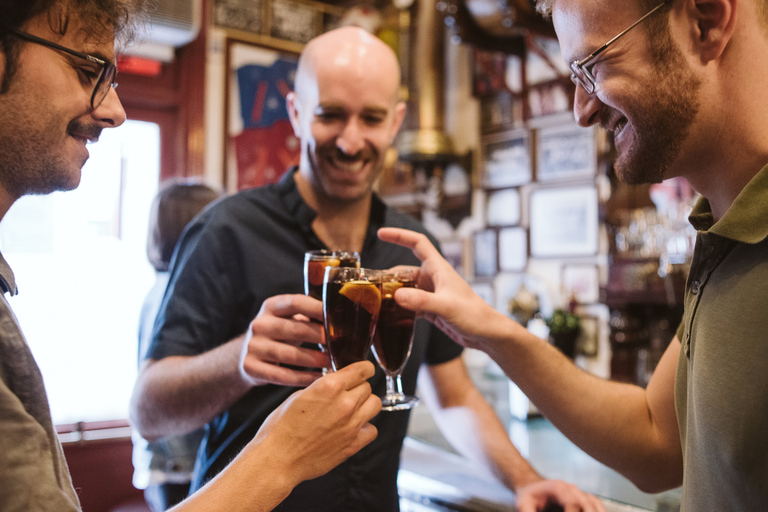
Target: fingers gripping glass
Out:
[105,79]
[581,75]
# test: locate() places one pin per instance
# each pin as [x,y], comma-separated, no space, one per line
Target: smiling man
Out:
[56,95]
[681,86]
[229,336]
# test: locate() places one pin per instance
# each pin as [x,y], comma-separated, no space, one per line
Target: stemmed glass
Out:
[314,268]
[393,339]
[351,303]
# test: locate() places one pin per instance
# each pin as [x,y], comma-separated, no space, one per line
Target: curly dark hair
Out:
[123,16]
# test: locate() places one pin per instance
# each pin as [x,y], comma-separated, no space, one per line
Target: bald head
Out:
[351,52]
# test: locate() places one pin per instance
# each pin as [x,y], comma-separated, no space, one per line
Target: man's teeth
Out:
[355,166]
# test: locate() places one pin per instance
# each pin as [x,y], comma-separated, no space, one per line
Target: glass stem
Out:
[394,387]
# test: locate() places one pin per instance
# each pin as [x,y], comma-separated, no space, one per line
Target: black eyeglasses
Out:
[102,82]
[582,76]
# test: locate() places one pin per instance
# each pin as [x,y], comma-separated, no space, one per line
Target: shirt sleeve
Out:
[29,479]
[201,306]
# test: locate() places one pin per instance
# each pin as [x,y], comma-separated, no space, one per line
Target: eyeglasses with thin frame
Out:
[103,82]
[582,76]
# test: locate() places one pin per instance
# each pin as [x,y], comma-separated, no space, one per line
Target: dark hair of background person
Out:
[175,205]
[124,16]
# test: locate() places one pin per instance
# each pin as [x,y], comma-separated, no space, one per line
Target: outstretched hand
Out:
[551,495]
[443,296]
[320,427]
[274,340]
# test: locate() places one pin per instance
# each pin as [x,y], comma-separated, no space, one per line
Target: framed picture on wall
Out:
[564,221]
[565,152]
[484,253]
[295,21]
[260,144]
[503,207]
[506,159]
[513,249]
[246,15]
[582,281]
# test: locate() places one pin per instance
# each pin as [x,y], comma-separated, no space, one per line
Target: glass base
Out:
[398,402]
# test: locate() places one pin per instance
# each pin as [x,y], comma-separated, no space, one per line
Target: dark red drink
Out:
[394,330]
[351,310]
[314,268]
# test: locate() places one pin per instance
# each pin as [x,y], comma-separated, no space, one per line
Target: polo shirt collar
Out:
[7,279]
[747,218]
[304,214]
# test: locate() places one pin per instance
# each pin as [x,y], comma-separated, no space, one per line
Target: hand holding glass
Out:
[393,339]
[351,303]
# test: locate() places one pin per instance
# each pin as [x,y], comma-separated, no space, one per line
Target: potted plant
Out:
[564,329]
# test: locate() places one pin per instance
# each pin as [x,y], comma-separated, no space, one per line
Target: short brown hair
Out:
[174,206]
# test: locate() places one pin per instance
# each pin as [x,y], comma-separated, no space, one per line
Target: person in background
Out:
[228,337]
[163,468]
[57,78]
[680,87]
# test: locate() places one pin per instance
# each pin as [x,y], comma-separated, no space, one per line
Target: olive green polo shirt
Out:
[721,388]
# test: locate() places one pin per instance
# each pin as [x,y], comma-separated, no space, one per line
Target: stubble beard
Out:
[663,120]
[30,163]
[318,158]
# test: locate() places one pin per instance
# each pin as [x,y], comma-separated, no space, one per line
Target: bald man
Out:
[227,348]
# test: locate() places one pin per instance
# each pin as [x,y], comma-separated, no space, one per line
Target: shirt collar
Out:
[7,279]
[304,214]
[747,218]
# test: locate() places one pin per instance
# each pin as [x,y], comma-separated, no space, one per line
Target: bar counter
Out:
[434,478]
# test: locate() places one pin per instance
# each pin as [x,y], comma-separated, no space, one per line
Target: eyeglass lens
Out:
[103,85]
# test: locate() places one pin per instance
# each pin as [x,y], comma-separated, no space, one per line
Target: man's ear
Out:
[293,105]
[398,119]
[712,25]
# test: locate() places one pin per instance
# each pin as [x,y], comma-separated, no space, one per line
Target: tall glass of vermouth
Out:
[351,303]
[393,339]
[314,268]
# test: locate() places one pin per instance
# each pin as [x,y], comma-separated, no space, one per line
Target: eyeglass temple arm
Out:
[606,45]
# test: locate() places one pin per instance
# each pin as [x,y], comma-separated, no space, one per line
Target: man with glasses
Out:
[57,75]
[681,87]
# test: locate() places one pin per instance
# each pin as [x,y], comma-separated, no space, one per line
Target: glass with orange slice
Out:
[393,339]
[314,268]
[351,303]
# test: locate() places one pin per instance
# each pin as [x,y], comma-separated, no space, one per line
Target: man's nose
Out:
[110,113]
[585,107]
[352,139]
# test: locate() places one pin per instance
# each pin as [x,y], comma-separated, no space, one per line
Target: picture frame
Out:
[582,281]
[485,253]
[244,15]
[513,249]
[565,152]
[500,111]
[564,221]
[506,159]
[503,207]
[259,140]
[588,341]
[294,21]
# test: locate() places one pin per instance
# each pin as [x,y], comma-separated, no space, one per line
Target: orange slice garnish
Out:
[365,293]
[316,270]
[388,288]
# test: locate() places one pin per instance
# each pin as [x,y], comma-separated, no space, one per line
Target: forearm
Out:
[256,481]
[472,427]
[624,426]
[178,394]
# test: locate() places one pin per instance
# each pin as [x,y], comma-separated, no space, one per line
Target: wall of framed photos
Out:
[540,196]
